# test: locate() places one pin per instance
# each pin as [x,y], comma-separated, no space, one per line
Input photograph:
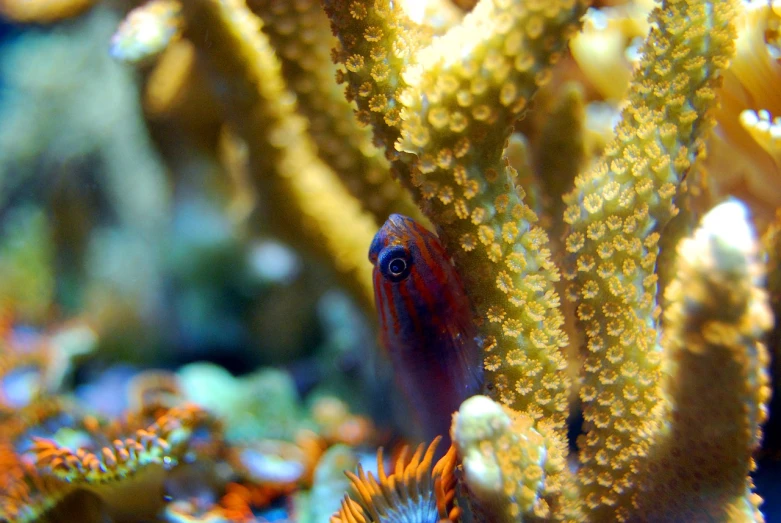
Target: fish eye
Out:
[395,263]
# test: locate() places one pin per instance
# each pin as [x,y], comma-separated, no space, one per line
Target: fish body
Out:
[425,323]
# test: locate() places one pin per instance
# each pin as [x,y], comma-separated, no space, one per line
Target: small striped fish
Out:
[425,322]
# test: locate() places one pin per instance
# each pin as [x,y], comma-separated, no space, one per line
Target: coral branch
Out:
[301,197]
[43,11]
[464,94]
[718,384]
[513,471]
[376,42]
[617,212]
[300,33]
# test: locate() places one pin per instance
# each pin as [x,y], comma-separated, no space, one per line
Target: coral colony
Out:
[559,221]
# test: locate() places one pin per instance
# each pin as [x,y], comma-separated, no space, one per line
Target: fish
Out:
[426,323]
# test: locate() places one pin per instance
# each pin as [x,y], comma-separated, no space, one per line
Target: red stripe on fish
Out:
[425,322]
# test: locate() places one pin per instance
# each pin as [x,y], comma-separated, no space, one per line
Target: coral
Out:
[80,454]
[513,471]
[715,321]
[458,96]
[672,408]
[157,444]
[301,36]
[286,173]
[414,491]
[24,494]
[43,11]
[460,178]
[631,190]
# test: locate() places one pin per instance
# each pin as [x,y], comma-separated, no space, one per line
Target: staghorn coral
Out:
[458,96]
[617,212]
[475,79]
[715,321]
[301,36]
[416,91]
[285,170]
[513,471]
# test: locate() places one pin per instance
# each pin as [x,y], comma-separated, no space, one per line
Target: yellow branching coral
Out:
[465,92]
[617,211]
[376,41]
[513,471]
[561,151]
[715,322]
[414,492]
[462,95]
[301,198]
[42,11]
[301,35]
